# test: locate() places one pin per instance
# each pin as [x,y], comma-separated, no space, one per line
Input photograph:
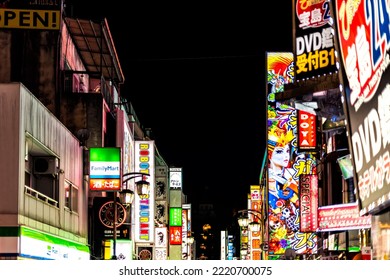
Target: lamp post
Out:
[256,225]
[126,197]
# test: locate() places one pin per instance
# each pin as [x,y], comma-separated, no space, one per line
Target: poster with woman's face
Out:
[285,165]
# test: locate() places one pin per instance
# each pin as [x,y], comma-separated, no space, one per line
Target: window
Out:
[71,196]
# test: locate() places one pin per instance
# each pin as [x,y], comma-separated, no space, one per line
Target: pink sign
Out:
[342,217]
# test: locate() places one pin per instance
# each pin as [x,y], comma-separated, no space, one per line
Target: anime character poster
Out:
[285,165]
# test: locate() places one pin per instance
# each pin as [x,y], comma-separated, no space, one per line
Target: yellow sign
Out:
[30,19]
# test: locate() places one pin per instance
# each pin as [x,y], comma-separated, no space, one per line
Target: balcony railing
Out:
[40,196]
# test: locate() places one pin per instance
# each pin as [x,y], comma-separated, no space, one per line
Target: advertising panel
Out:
[285,165]
[45,15]
[341,217]
[104,169]
[161,237]
[38,245]
[314,39]
[308,201]
[280,71]
[364,44]
[124,249]
[256,236]
[144,206]
[175,235]
[161,188]
[175,178]
[161,254]
[307,131]
[175,216]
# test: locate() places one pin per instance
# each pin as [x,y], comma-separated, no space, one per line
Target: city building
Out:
[61,109]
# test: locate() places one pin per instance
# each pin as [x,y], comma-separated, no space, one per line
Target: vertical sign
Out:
[175,216]
[175,178]
[144,206]
[307,131]
[175,235]
[308,200]
[285,164]
[314,39]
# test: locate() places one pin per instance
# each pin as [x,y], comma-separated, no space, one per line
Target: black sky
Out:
[195,75]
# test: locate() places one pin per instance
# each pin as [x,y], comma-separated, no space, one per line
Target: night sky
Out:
[195,75]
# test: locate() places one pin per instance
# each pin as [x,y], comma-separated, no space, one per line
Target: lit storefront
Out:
[28,243]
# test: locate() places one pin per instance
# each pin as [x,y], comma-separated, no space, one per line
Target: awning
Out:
[96,48]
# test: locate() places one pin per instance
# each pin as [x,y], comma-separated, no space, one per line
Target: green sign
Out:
[104,162]
[175,216]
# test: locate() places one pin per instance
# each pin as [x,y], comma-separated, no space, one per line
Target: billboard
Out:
[364,45]
[285,165]
[44,15]
[314,39]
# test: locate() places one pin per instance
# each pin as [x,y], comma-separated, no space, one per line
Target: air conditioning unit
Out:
[45,165]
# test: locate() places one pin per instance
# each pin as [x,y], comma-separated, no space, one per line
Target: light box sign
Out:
[104,169]
[175,178]
[175,216]
[280,71]
[314,39]
[42,246]
[308,200]
[175,235]
[144,206]
[307,129]
[342,217]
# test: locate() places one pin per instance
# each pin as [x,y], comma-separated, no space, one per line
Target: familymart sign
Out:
[104,169]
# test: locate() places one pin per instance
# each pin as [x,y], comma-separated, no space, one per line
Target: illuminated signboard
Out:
[307,129]
[364,41]
[314,39]
[308,200]
[144,206]
[38,245]
[175,178]
[44,15]
[175,216]
[104,169]
[342,217]
[285,164]
[175,237]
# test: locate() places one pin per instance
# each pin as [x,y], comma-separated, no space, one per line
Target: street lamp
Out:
[127,196]
[254,225]
[244,221]
[142,186]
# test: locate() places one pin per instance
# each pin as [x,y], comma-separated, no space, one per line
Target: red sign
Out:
[342,217]
[308,201]
[175,235]
[104,184]
[307,138]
